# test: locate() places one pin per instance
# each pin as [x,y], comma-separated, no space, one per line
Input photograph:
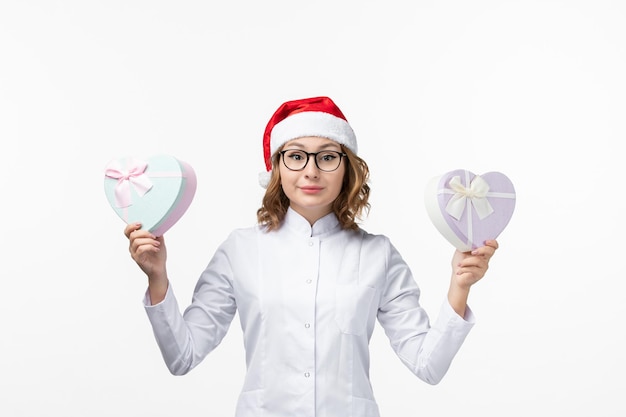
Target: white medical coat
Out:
[308,299]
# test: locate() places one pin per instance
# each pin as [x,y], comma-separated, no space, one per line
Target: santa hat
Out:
[316,116]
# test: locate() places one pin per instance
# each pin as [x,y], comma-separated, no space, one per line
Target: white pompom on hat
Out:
[316,116]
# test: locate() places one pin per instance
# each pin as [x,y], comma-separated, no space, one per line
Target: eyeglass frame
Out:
[308,157]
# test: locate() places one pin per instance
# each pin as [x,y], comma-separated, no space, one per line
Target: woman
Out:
[308,283]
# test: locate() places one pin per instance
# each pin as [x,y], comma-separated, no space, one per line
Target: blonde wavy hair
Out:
[350,205]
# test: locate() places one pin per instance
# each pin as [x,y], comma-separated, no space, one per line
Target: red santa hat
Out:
[316,116]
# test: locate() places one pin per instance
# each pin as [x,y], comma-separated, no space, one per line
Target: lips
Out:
[311,189]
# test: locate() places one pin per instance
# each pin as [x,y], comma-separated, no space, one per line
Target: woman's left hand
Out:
[469,267]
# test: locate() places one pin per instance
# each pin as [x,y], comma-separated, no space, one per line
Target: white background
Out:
[534,89]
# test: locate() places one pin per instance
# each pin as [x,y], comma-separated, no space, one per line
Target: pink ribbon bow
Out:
[134,175]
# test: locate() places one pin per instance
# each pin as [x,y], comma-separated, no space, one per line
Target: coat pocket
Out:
[352,307]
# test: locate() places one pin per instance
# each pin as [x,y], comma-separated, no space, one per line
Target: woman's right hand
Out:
[150,254]
[146,249]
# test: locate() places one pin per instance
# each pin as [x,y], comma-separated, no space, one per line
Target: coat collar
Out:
[325,226]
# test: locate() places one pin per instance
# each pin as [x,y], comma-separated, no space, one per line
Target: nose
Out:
[311,170]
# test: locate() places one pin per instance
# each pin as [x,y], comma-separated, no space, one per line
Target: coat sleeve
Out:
[186,339]
[426,350]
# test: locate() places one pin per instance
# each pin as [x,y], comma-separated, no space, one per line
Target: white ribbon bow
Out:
[475,195]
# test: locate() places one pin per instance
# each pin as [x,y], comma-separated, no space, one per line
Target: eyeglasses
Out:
[327,161]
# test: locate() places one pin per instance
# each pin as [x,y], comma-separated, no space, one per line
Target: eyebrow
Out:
[327,145]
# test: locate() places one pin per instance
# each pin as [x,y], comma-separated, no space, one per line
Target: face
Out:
[311,191]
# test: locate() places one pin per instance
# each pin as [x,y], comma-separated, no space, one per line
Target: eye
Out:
[327,156]
[295,155]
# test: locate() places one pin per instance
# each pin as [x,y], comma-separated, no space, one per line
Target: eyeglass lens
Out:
[325,160]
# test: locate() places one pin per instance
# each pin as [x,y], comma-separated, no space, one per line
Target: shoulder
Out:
[245,232]
[372,243]
[241,238]
[372,238]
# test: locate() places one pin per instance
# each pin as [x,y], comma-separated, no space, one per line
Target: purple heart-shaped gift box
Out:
[468,209]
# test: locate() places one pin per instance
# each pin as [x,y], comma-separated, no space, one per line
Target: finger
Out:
[470,278]
[141,234]
[147,248]
[141,245]
[138,241]
[476,269]
[492,243]
[473,262]
[131,227]
[469,275]
[486,251]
